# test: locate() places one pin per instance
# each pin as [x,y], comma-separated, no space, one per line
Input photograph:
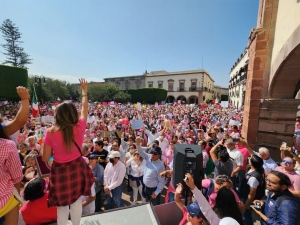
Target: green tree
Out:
[15,54]
[96,92]
[122,97]
[73,91]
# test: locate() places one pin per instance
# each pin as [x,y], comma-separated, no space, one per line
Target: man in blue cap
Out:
[154,183]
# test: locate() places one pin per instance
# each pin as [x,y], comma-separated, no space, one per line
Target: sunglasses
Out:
[154,153]
[286,161]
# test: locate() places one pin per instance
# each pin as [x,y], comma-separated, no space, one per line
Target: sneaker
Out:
[104,202]
[133,203]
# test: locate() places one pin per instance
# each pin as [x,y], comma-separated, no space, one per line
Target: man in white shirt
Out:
[151,135]
[237,160]
[163,144]
[114,174]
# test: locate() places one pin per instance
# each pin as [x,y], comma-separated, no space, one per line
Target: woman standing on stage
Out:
[70,176]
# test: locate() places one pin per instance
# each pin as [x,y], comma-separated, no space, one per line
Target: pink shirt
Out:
[212,197]
[205,158]
[168,137]
[168,155]
[55,140]
[294,177]
[10,170]
[246,155]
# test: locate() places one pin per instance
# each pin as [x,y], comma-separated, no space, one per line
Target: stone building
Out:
[218,91]
[237,82]
[127,82]
[273,76]
[187,86]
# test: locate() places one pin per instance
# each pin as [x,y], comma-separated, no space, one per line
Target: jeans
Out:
[171,197]
[98,201]
[241,176]
[247,214]
[149,192]
[116,195]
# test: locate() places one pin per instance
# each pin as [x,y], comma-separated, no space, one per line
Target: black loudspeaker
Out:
[187,159]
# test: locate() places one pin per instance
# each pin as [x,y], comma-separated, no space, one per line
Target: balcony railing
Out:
[181,89]
[195,89]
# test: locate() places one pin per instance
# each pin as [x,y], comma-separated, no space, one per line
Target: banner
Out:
[234,122]
[137,124]
[111,134]
[224,104]
[48,119]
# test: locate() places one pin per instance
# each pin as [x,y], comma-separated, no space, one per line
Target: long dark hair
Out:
[257,163]
[226,205]
[34,189]
[66,118]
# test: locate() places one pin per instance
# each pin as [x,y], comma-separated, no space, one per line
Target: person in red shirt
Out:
[36,192]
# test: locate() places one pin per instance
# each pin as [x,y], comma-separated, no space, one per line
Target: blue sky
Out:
[98,39]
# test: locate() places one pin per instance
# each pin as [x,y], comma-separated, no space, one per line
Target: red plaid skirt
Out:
[68,181]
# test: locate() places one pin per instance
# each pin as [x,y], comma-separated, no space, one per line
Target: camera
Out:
[213,142]
[295,151]
[257,206]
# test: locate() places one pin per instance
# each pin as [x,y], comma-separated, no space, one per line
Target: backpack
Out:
[282,198]
[207,191]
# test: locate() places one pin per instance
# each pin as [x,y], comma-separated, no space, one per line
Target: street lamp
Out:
[38,81]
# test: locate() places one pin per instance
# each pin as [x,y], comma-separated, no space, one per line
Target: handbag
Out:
[132,183]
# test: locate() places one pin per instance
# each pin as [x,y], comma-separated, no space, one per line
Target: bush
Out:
[148,95]
[11,77]
[224,97]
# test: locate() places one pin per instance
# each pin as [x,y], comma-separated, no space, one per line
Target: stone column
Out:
[260,50]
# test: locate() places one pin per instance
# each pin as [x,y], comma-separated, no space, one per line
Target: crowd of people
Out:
[95,148]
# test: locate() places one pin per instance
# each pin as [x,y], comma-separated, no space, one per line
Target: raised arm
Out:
[250,151]
[84,109]
[22,115]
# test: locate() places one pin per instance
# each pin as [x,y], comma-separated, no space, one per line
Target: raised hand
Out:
[83,84]
[23,92]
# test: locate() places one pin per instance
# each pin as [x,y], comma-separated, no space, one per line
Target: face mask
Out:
[111,160]
[30,175]
[131,150]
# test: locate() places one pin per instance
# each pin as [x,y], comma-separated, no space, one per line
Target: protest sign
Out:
[224,104]
[233,122]
[139,106]
[48,119]
[137,124]
[156,104]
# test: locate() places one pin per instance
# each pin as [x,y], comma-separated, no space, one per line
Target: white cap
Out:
[114,154]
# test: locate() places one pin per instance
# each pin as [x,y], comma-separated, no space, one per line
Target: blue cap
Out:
[194,210]
[93,156]
[156,149]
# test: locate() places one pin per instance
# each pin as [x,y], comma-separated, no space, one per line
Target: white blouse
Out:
[136,171]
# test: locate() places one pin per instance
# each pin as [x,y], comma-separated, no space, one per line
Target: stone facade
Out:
[192,86]
[237,82]
[127,82]
[273,78]
[187,86]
